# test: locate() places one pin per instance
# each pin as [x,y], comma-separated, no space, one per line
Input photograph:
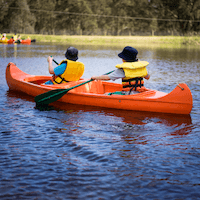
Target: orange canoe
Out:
[94,93]
[11,41]
[26,41]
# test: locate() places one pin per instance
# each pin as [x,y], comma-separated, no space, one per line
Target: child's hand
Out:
[49,59]
[147,77]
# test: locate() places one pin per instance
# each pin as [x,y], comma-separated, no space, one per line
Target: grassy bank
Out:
[115,40]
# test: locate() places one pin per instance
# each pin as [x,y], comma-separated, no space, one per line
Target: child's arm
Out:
[102,77]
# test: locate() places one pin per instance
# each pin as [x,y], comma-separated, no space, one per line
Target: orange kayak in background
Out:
[94,93]
[26,41]
[11,41]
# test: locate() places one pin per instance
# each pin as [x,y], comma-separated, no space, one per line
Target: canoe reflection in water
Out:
[130,124]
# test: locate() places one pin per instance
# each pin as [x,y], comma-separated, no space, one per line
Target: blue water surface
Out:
[82,152]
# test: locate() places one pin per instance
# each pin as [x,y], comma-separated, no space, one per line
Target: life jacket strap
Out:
[62,79]
[133,83]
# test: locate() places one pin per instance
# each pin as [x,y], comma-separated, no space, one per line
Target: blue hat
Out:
[128,54]
[72,53]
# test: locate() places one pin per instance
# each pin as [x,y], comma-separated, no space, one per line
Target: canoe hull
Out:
[162,106]
[4,41]
[26,41]
[179,101]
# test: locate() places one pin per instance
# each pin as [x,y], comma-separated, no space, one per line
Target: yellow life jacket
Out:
[134,73]
[73,72]
[4,39]
[14,37]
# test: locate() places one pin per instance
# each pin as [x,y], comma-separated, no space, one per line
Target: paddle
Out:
[53,95]
[55,61]
[41,96]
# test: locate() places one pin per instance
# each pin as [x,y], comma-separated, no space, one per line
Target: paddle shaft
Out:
[55,62]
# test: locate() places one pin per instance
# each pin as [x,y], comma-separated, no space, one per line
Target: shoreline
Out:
[115,40]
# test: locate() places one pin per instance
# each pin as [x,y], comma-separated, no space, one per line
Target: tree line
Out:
[100,17]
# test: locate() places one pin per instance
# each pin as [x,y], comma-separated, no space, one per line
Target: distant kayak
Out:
[11,41]
[98,93]
[4,41]
[26,41]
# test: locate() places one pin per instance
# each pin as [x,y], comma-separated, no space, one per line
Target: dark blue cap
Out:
[129,54]
[72,53]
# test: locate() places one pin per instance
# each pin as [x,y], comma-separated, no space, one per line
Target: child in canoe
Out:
[131,71]
[68,69]
[18,40]
[11,41]
[4,38]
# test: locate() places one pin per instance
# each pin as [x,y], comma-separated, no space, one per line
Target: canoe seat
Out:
[36,80]
[92,87]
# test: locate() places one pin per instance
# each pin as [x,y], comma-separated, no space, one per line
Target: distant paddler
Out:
[18,40]
[4,38]
[15,37]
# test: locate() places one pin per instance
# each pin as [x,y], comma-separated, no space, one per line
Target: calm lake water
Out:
[83,152]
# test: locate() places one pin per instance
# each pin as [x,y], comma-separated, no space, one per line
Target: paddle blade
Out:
[49,97]
[53,95]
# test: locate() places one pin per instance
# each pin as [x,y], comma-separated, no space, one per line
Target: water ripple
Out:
[83,152]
